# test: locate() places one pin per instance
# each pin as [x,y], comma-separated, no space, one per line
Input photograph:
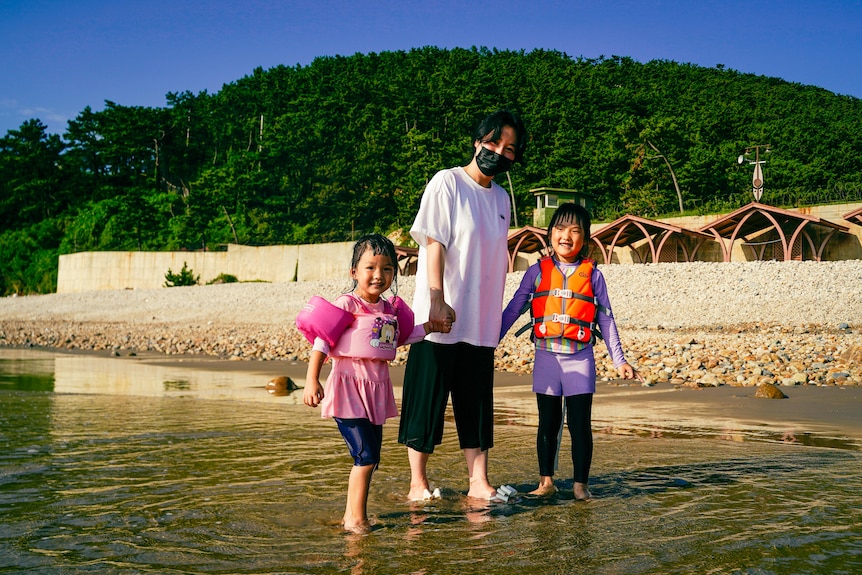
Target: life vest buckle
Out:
[564,293]
[561,318]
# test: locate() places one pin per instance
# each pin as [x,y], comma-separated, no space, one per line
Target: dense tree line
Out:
[345,145]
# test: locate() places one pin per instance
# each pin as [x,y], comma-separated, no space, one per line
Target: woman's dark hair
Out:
[491,128]
[379,246]
[569,213]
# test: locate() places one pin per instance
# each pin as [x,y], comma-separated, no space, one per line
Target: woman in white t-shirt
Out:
[462,230]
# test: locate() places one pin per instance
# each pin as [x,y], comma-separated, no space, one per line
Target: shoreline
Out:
[736,355]
[820,416]
[699,324]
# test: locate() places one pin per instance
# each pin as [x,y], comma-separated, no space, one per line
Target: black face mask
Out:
[491,163]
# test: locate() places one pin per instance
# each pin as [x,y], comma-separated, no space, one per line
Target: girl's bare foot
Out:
[544,489]
[582,492]
[357,527]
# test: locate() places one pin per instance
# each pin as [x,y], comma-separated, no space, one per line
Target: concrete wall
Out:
[88,271]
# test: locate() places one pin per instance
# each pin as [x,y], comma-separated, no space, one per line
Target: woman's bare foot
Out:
[426,495]
[484,494]
[582,492]
[481,489]
[546,487]
[417,493]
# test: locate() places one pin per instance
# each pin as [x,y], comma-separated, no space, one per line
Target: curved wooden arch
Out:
[854,217]
[529,237]
[793,227]
[629,230]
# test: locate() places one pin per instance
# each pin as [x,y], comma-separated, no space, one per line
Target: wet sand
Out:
[619,406]
[679,338]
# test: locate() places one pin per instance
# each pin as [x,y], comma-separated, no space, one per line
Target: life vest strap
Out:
[564,293]
[594,329]
[556,292]
[563,319]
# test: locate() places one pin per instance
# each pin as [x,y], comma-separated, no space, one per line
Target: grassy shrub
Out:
[185,278]
[223,279]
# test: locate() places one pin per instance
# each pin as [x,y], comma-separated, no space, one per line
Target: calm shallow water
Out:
[116,466]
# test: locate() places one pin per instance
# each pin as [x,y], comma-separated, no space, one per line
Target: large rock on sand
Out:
[769,391]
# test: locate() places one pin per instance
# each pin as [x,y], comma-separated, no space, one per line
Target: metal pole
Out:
[512,193]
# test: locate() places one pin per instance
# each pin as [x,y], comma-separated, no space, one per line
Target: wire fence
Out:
[788,198]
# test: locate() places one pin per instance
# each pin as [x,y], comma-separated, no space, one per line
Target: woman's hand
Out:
[441,316]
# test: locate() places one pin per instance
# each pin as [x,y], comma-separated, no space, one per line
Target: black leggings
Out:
[578,418]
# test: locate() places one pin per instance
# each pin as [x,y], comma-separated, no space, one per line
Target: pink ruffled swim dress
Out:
[359,385]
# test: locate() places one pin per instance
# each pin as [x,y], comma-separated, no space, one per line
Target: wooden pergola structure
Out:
[769,232]
[660,238]
[763,227]
[528,239]
[407,258]
[854,217]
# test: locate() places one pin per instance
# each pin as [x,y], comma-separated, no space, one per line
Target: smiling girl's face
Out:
[567,239]
[373,275]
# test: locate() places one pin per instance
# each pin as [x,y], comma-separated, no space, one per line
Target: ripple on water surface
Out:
[179,482]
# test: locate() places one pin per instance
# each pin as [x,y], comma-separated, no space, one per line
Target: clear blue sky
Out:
[58,56]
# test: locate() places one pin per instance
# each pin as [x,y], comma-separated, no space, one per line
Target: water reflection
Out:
[667,417]
[26,370]
[168,469]
[111,376]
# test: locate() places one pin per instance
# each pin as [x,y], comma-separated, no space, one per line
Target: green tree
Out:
[346,145]
[31,180]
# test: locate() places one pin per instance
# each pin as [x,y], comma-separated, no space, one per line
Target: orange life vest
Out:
[565,307]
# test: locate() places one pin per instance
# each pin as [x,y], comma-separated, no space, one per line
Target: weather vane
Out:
[757,179]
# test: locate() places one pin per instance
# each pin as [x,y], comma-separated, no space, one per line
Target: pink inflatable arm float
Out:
[319,318]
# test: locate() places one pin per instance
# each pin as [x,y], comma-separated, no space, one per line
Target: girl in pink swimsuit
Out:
[358,391]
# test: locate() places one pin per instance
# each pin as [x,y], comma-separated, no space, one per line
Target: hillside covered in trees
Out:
[345,145]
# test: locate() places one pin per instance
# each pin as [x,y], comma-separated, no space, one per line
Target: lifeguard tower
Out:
[548,199]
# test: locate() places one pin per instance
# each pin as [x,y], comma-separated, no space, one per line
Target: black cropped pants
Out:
[579,421]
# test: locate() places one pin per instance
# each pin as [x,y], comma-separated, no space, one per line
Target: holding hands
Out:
[441,315]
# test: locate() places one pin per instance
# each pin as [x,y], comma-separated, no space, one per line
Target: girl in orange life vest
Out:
[359,392]
[568,300]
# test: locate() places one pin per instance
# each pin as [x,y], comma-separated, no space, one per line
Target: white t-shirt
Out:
[472,223]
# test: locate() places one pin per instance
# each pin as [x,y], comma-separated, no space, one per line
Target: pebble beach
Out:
[701,324]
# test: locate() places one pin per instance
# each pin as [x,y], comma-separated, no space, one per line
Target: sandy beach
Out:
[705,336]
[699,324]
[143,432]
